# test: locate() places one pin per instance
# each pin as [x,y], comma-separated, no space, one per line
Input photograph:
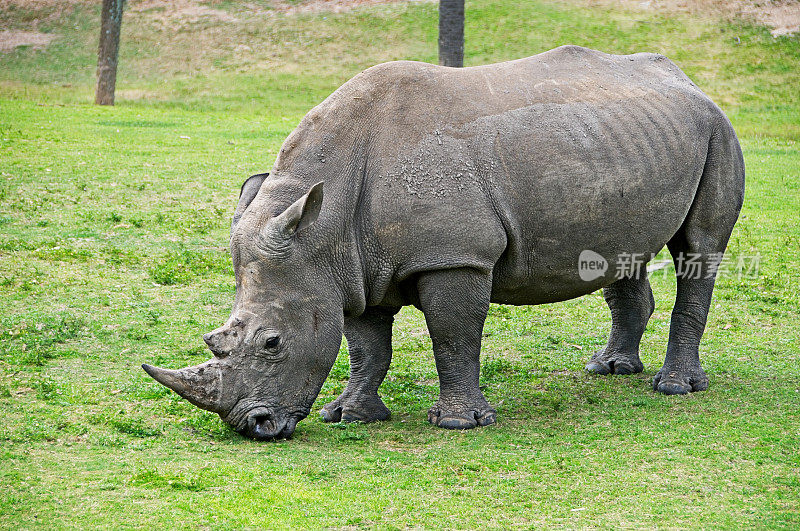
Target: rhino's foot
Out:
[606,361]
[461,418]
[355,409]
[675,382]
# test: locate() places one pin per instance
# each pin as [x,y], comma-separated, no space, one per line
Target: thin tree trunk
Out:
[108,51]
[451,33]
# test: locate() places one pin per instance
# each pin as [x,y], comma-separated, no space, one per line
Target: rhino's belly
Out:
[578,241]
[557,272]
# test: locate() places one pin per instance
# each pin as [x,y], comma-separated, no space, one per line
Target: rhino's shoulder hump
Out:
[354,97]
[570,50]
[390,76]
[396,69]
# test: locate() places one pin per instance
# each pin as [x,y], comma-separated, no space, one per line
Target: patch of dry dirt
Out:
[333,6]
[193,10]
[11,39]
[782,16]
[174,13]
[783,19]
[186,10]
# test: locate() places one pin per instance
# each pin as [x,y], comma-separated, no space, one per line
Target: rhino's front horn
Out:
[201,385]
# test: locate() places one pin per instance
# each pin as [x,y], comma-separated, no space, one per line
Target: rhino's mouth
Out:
[265,424]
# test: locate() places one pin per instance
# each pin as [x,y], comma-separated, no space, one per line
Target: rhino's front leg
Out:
[369,341]
[455,303]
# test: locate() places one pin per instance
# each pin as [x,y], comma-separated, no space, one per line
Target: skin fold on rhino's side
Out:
[448,189]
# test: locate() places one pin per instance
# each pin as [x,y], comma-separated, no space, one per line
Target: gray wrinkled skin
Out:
[449,189]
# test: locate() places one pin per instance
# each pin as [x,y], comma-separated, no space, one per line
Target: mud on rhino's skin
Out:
[452,188]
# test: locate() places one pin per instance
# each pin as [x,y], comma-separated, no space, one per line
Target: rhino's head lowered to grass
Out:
[274,352]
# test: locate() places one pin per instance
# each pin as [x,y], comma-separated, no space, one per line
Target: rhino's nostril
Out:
[262,426]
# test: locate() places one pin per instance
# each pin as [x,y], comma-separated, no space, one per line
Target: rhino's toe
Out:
[487,418]
[349,408]
[461,420]
[331,414]
[598,367]
[673,388]
[371,414]
[604,362]
[676,383]
[456,423]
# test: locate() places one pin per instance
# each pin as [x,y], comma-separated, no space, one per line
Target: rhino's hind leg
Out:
[631,303]
[694,266]
[455,303]
[697,249]
[369,341]
[682,372]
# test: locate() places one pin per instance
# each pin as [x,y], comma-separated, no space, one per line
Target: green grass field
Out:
[113,252]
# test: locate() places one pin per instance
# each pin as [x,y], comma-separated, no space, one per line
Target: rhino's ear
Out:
[300,214]
[248,192]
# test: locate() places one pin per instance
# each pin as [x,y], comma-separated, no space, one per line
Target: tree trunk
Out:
[451,33]
[107,53]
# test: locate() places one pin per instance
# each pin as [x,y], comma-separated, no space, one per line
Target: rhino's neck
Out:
[310,155]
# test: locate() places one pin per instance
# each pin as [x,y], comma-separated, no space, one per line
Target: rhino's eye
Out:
[272,342]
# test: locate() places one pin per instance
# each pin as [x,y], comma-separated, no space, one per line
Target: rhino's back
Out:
[418,95]
[520,166]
